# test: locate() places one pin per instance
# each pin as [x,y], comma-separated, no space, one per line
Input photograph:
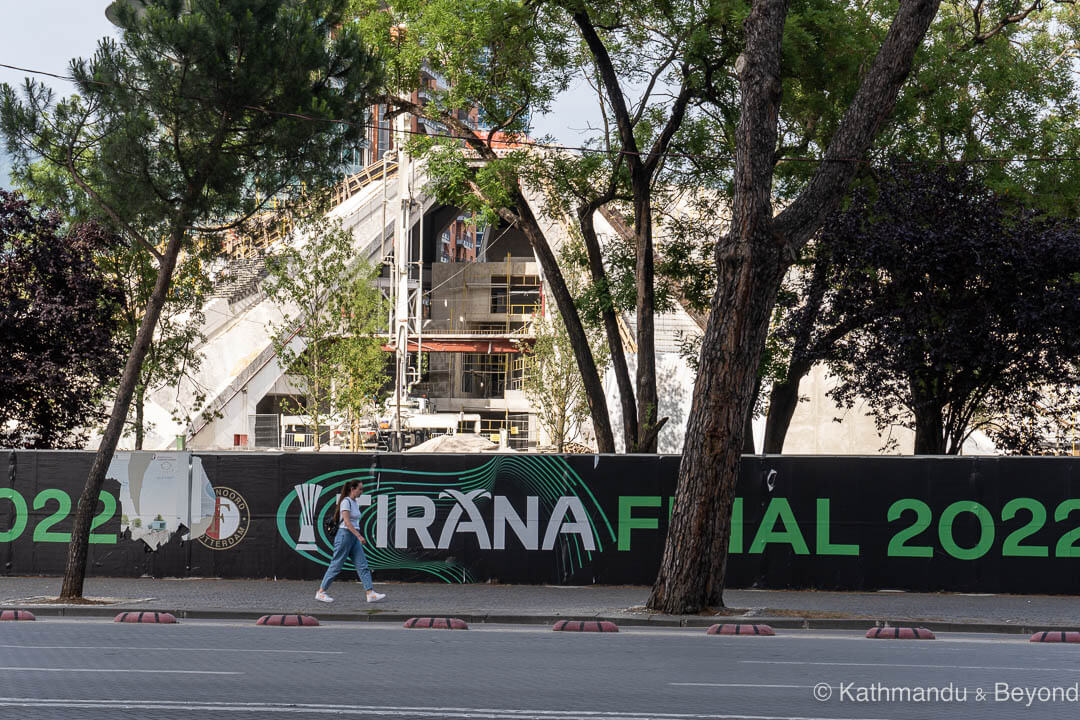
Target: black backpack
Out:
[331,523]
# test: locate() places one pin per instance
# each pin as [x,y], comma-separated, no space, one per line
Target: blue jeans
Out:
[346,545]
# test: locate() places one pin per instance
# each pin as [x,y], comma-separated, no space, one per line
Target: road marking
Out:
[124,647]
[120,670]
[389,710]
[738,685]
[906,665]
[858,636]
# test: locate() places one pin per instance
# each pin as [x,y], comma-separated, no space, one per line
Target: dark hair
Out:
[347,488]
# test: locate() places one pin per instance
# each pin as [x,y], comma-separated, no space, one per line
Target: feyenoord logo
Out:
[230,522]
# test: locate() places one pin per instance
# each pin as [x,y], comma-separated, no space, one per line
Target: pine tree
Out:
[203,111]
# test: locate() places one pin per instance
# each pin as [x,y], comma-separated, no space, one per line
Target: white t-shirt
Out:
[353,508]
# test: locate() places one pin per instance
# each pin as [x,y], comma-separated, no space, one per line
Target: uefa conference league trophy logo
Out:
[308,495]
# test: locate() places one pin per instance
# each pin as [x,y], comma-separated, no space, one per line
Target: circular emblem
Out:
[230,521]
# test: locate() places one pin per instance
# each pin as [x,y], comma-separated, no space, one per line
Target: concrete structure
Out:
[464,318]
[240,374]
[490,308]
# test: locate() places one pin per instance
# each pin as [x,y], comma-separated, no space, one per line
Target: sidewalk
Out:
[243,599]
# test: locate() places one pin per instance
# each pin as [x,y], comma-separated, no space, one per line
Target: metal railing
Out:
[357,181]
[271,226]
[305,438]
[298,440]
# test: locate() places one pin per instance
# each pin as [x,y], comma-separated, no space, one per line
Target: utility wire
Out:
[523,142]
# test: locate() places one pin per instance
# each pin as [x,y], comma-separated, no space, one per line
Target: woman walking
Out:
[348,543]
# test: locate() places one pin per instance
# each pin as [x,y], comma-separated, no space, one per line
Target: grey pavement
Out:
[211,598]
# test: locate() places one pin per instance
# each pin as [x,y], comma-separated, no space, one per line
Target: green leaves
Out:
[552,378]
[196,114]
[333,315]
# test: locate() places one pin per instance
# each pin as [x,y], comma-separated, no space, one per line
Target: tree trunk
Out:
[751,261]
[692,571]
[313,411]
[784,396]
[750,264]
[783,399]
[646,345]
[641,168]
[579,341]
[929,428]
[928,437]
[611,329]
[140,430]
[560,432]
[75,571]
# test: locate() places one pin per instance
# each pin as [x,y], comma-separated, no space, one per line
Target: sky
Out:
[47,34]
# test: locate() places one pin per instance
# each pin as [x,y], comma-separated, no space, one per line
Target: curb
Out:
[787,623]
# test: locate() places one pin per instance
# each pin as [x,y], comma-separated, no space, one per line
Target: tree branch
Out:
[652,82]
[468,134]
[872,104]
[611,81]
[678,111]
[1007,20]
[69,165]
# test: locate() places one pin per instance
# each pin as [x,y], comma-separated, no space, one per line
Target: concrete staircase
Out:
[239,366]
[241,279]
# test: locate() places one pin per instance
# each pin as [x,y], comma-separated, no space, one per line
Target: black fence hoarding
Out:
[852,523]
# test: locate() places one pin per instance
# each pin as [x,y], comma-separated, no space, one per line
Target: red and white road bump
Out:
[146,617]
[740,629]
[1056,636]
[288,620]
[899,633]
[585,626]
[436,623]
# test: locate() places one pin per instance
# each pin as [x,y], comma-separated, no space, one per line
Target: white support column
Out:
[402,259]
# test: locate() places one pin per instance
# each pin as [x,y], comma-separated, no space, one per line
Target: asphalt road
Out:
[75,669]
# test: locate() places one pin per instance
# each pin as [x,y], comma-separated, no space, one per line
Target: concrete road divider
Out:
[438,623]
[17,615]
[1056,636]
[585,626]
[288,620]
[899,633]
[162,618]
[740,629]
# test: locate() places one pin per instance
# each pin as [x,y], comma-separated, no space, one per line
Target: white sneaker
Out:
[375,596]
[321,596]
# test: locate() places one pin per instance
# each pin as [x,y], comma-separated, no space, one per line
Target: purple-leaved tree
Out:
[57,327]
